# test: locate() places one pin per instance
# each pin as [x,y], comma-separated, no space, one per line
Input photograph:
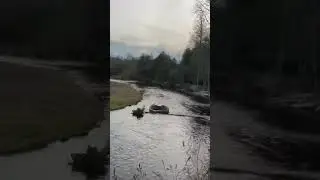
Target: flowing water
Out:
[156,138]
[147,141]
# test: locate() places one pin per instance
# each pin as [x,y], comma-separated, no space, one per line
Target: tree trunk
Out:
[209,79]
[197,81]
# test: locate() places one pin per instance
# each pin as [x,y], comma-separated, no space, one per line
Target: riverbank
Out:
[42,105]
[194,95]
[122,95]
[283,129]
[264,152]
[285,102]
[298,112]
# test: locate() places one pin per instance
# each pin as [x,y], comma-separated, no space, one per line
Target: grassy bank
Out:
[122,95]
[39,106]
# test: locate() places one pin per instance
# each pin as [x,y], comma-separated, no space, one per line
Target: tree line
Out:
[270,44]
[164,68]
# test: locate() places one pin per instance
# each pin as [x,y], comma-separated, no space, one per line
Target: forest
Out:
[266,45]
[265,54]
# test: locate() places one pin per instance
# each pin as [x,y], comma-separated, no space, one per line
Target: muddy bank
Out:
[297,155]
[245,146]
[41,105]
[285,129]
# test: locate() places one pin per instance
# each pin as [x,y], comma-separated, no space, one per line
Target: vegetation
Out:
[139,112]
[122,95]
[258,55]
[265,51]
[161,69]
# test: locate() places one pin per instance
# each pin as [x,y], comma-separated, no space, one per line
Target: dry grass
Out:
[122,95]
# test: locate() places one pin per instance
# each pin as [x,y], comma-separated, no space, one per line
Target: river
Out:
[147,141]
[155,138]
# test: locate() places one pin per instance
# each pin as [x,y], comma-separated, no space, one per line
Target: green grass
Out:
[122,95]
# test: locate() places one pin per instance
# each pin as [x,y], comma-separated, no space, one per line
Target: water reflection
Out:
[152,141]
[161,144]
[51,163]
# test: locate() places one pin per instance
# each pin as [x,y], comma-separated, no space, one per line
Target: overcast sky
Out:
[150,26]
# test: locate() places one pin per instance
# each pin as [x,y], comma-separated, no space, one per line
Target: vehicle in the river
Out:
[159,109]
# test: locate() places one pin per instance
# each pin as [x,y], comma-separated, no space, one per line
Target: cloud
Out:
[156,37]
[169,39]
[151,25]
[136,40]
[165,32]
[122,49]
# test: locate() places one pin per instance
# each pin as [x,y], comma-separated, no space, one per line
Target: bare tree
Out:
[200,33]
[201,27]
[203,7]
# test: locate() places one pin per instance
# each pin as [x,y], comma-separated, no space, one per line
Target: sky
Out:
[150,26]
